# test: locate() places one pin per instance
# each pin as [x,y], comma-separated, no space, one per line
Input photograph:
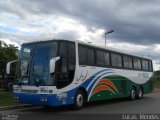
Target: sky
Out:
[135,23]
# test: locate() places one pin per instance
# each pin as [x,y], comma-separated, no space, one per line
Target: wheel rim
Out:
[140,93]
[79,100]
[133,94]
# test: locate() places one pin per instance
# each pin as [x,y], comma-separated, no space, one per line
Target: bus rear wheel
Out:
[79,100]
[133,93]
[140,93]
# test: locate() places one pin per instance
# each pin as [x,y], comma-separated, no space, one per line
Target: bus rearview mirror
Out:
[52,64]
[8,66]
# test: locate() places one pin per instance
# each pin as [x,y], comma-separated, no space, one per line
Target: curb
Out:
[14,107]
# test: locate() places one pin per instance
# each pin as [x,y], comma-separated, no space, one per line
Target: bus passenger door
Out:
[65,67]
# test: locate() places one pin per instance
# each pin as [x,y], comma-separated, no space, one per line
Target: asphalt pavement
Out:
[149,104]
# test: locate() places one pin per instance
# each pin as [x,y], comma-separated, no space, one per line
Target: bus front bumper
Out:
[41,99]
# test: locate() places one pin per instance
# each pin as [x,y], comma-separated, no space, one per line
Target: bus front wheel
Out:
[79,100]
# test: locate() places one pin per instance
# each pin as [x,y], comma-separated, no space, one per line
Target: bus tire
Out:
[10,86]
[79,99]
[140,93]
[133,93]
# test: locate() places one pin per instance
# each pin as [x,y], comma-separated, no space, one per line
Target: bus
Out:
[66,72]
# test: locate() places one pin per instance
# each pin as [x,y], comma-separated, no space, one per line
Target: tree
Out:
[8,53]
[157,75]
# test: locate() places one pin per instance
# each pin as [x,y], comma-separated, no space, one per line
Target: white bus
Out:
[64,72]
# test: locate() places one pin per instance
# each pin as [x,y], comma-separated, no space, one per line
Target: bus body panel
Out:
[100,83]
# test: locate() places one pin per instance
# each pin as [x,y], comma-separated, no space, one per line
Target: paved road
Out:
[150,104]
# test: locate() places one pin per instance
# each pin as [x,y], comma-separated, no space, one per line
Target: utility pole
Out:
[108,32]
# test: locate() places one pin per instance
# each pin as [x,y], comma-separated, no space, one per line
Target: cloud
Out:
[136,23]
[8,41]
[133,21]
[14,7]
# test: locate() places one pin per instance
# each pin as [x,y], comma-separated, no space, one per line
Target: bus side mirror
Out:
[8,66]
[52,64]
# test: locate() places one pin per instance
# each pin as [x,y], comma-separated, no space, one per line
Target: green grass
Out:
[6,99]
[157,84]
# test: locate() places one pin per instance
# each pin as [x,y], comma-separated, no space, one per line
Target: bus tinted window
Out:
[82,55]
[99,57]
[127,62]
[71,52]
[137,63]
[150,66]
[116,60]
[63,49]
[106,59]
[91,57]
[71,61]
[145,65]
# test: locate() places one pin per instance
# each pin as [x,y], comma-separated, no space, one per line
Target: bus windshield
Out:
[33,65]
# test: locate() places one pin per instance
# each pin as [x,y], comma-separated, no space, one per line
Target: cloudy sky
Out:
[135,23]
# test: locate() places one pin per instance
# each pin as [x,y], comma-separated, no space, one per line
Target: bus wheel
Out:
[140,93]
[10,86]
[79,100]
[133,93]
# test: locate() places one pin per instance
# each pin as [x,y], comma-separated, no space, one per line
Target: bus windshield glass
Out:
[33,65]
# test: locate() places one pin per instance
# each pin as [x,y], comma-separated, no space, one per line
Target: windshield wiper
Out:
[36,83]
[24,76]
[27,72]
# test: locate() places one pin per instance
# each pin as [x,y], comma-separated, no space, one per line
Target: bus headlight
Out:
[61,95]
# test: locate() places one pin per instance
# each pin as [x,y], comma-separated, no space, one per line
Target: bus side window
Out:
[100,57]
[82,55]
[71,52]
[62,66]
[63,49]
[66,64]
[137,63]
[116,60]
[64,69]
[145,65]
[91,57]
[150,66]
[71,61]
[127,62]
[106,59]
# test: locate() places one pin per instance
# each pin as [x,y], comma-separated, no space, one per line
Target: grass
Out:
[6,99]
[157,84]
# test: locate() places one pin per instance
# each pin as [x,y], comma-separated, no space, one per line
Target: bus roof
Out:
[91,45]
